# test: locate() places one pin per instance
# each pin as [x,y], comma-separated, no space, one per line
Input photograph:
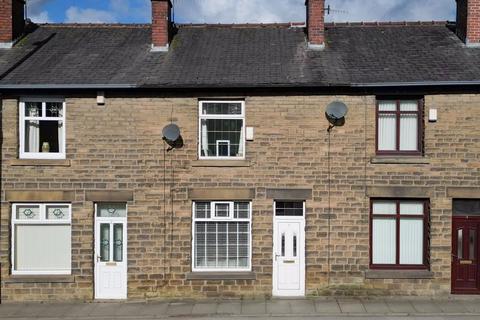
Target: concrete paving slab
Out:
[302,306]
[426,306]
[154,309]
[400,306]
[81,310]
[278,307]
[104,309]
[229,307]
[451,306]
[9,309]
[30,310]
[131,309]
[204,308]
[254,307]
[376,306]
[351,306]
[327,307]
[179,309]
[471,306]
[56,310]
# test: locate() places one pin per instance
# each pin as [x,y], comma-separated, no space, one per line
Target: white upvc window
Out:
[42,128]
[221,238]
[221,130]
[41,239]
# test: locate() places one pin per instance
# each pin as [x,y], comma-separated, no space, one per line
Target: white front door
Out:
[289,255]
[110,251]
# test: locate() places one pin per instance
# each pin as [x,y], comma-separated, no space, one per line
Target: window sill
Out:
[221,163]
[221,276]
[398,274]
[40,162]
[399,160]
[40,279]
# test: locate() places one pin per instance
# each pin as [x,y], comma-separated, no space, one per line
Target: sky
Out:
[237,11]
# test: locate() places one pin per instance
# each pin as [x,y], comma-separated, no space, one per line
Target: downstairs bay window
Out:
[399,234]
[221,236]
[41,239]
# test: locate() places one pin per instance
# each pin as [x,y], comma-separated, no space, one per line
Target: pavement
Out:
[310,308]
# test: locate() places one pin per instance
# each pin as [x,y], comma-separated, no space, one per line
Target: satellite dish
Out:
[335,113]
[172,136]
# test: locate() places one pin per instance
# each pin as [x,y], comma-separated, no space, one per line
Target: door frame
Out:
[96,253]
[301,245]
[453,246]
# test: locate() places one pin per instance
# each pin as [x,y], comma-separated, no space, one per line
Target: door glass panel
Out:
[111,210]
[118,242]
[105,242]
[460,243]
[472,244]
[295,245]
[283,244]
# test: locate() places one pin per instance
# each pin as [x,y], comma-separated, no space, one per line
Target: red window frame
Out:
[398,217]
[398,113]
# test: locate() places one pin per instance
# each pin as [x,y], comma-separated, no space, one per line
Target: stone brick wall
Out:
[118,147]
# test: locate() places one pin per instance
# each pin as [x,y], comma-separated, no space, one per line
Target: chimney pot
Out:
[161,24]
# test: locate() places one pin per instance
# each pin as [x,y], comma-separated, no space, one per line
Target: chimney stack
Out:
[468,22]
[161,24]
[316,24]
[12,21]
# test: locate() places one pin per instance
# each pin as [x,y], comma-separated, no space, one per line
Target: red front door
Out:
[465,253]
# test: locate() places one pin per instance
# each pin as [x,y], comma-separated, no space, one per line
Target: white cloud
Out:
[41,17]
[35,11]
[79,15]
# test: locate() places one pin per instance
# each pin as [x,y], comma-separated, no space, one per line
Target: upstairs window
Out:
[399,127]
[221,130]
[42,129]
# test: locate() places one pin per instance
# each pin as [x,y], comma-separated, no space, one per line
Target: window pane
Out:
[294,245]
[383,241]
[283,245]
[409,105]
[42,248]
[54,109]
[387,133]
[222,137]
[408,132]
[33,109]
[412,208]
[241,210]
[222,108]
[472,244]
[384,207]
[202,210]
[43,136]
[289,208]
[387,106]
[25,212]
[32,136]
[222,210]
[58,212]
[411,241]
[118,242]
[110,210]
[460,243]
[105,242]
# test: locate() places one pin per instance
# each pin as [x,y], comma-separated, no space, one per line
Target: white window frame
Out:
[41,221]
[211,219]
[220,116]
[22,118]
[213,214]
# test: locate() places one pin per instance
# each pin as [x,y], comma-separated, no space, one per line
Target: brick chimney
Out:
[316,24]
[468,22]
[12,21]
[161,24]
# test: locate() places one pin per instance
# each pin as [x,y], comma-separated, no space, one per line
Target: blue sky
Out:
[237,11]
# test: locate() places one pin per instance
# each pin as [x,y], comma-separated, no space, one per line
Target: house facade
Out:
[255,197]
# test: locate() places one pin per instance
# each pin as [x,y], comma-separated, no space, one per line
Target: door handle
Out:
[98,258]
[276,256]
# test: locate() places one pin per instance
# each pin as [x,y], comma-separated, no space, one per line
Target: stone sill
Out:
[40,162]
[221,276]
[221,163]
[398,274]
[40,279]
[399,160]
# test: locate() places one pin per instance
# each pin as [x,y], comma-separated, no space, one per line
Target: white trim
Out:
[22,118]
[155,48]
[220,116]
[249,220]
[41,221]
[6,45]
[316,47]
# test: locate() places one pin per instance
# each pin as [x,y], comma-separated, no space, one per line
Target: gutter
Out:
[67,86]
[415,84]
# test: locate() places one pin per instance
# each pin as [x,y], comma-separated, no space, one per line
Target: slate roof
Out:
[213,56]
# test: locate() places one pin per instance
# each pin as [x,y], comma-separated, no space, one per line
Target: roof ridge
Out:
[387,23]
[94,25]
[242,25]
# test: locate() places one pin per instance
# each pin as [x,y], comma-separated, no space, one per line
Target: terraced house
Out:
[256,197]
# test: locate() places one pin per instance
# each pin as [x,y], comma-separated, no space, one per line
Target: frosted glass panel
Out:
[387,134]
[383,241]
[28,212]
[413,208]
[58,212]
[118,242]
[105,242]
[42,248]
[384,207]
[111,210]
[411,241]
[409,105]
[387,106]
[408,132]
